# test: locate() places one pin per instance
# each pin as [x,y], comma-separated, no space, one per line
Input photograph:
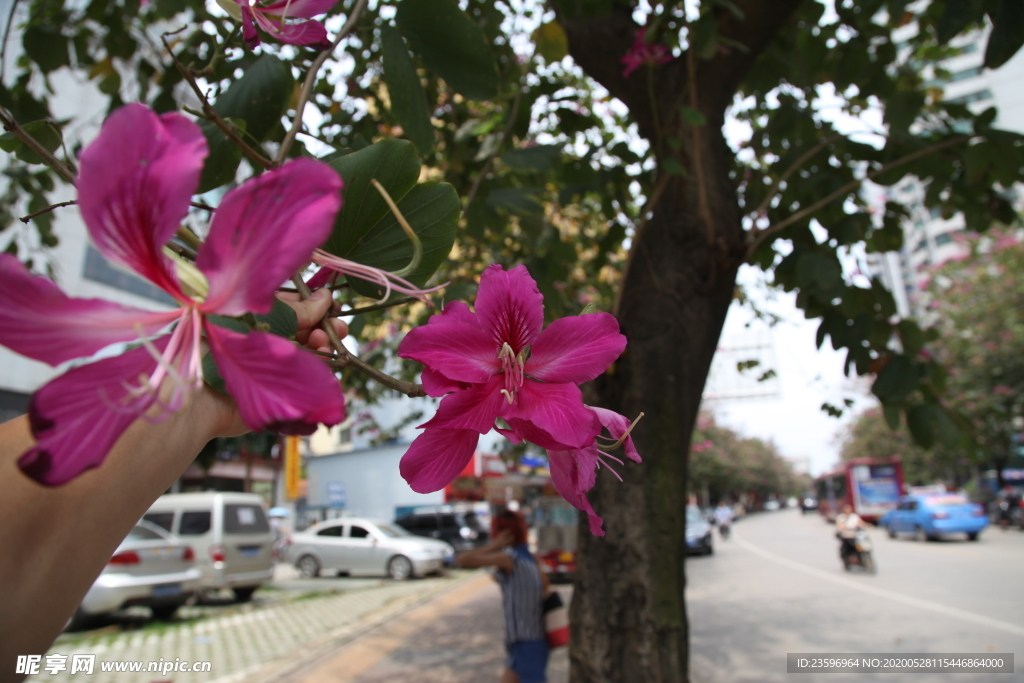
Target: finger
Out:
[310,311]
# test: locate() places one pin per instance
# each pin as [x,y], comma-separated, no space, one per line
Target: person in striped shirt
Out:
[523,587]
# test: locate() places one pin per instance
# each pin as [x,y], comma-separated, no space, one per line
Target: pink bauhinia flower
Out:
[496,362]
[574,472]
[642,52]
[134,188]
[273,18]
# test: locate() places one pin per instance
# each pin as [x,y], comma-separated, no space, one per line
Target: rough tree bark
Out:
[628,612]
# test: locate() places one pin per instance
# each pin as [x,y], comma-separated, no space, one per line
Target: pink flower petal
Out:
[134,187]
[436,457]
[573,473]
[311,33]
[461,351]
[321,278]
[249,33]
[263,231]
[455,311]
[39,321]
[436,384]
[553,416]
[510,307]
[475,408]
[277,385]
[617,425]
[300,8]
[576,349]
[77,418]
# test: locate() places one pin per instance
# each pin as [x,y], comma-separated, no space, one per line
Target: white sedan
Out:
[363,546]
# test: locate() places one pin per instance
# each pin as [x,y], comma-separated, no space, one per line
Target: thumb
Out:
[311,311]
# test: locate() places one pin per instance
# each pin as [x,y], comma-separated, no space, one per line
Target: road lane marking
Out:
[880,592]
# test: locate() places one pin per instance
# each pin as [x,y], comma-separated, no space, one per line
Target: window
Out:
[194,523]
[965,74]
[944,238]
[245,519]
[448,522]
[330,531]
[912,505]
[969,98]
[356,531]
[164,520]
[141,533]
[935,212]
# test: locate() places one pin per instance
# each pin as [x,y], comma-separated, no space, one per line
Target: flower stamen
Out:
[622,439]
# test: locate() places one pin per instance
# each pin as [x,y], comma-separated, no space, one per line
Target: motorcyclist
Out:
[1007,503]
[723,518]
[847,524]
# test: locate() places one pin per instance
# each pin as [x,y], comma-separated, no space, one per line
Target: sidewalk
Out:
[454,638]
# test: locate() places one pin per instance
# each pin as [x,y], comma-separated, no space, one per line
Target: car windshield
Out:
[472,521]
[392,531]
[141,533]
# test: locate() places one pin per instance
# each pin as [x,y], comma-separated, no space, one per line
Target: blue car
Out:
[931,515]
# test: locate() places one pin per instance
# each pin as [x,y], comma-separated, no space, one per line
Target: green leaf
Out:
[45,46]
[692,116]
[45,133]
[536,158]
[451,45]
[366,231]
[674,167]
[896,380]
[551,41]
[912,336]
[222,162]
[1007,33]
[521,201]
[282,320]
[922,425]
[892,416]
[260,97]
[956,15]
[408,101]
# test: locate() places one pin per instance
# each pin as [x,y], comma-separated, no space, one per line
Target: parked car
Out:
[698,532]
[461,530]
[771,505]
[232,538]
[929,516]
[150,568]
[363,546]
[808,503]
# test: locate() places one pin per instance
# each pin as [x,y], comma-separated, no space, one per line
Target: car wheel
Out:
[308,566]
[164,612]
[79,621]
[892,532]
[399,568]
[244,594]
[972,536]
[920,535]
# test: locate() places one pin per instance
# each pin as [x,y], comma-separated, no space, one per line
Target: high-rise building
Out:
[928,238]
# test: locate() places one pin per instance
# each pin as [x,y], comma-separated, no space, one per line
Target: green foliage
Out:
[408,102]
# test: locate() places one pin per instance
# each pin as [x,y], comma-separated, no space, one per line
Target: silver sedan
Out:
[363,546]
[149,568]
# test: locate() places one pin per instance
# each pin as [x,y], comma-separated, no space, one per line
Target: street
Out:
[778,586]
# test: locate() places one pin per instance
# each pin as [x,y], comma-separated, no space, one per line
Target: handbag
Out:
[556,620]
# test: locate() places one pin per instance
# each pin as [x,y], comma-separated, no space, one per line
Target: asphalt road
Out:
[777,586]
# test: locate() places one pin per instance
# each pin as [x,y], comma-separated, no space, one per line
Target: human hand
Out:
[309,312]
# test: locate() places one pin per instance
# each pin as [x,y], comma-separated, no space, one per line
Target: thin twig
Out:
[3,48]
[846,189]
[53,162]
[804,158]
[200,205]
[307,85]
[347,359]
[375,307]
[26,219]
[209,111]
[698,164]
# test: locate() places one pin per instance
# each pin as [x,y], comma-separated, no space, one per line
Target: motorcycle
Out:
[856,552]
[723,530]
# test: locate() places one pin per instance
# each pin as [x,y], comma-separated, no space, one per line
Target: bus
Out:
[873,486]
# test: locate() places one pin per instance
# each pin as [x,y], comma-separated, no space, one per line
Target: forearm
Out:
[57,540]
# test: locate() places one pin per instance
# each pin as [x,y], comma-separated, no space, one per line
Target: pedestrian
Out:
[523,588]
[58,539]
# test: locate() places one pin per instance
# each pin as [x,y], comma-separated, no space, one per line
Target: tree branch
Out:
[346,359]
[211,114]
[48,158]
[307,85]
[698,164]
[375,307]
[804,158]
[846,189]
[26,219]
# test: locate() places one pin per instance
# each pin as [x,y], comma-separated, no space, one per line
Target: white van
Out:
[232,539]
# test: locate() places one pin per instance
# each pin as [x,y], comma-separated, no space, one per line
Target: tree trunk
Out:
[628,612]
